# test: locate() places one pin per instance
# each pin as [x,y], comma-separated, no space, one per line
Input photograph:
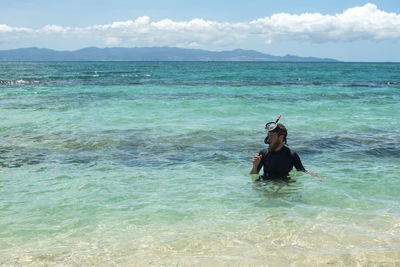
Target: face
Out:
[274,140]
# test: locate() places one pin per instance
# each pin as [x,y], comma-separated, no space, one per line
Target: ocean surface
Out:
[147,164]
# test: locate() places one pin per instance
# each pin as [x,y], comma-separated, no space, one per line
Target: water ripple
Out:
[128,79]
[138,148]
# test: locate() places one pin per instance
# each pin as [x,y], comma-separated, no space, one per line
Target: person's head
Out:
[276,136]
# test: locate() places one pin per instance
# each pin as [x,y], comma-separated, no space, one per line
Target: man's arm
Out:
[299,166]
[297,162]
[315,175]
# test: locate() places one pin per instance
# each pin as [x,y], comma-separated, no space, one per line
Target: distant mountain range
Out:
[146,54]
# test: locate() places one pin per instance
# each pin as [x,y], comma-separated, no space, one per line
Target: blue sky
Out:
[346,30]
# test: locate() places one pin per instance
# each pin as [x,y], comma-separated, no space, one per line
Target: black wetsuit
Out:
[277,165]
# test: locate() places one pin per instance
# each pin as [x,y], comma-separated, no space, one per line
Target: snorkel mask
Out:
[271,126]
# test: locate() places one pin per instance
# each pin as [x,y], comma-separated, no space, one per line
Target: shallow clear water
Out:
[147,163]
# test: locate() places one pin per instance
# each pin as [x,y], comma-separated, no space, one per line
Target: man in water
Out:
[277,160]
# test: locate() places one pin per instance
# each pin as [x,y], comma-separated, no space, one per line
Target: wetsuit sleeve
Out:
[297,162]
[259,166]
[261,162]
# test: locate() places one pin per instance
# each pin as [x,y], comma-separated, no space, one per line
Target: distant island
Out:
[147,54]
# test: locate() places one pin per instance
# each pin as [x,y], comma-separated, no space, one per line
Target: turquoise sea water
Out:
[146,163]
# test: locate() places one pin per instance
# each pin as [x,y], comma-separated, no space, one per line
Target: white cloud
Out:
[358,23]
[112,41]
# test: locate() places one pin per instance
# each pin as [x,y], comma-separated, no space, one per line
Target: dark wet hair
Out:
[281,130]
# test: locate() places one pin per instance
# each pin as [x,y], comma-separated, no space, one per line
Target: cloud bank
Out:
[358,23]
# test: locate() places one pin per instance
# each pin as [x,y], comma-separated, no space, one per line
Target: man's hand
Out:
[256,160]
[315,175]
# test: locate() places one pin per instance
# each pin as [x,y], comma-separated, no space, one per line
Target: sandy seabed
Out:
[293,245]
